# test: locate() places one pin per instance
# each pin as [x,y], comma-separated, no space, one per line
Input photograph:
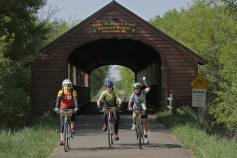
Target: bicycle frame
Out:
[67,113]
[110,124]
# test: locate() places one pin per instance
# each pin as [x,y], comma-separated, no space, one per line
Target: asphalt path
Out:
[91,142]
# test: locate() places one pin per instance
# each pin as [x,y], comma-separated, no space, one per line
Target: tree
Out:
[98,77]
[230,6]
[20,37]
[127,79]
[57,26]
[207,30]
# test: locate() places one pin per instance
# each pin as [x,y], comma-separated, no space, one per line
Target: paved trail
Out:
[90,142]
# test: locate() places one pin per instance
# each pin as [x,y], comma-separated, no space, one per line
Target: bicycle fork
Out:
[110,124]
[68,130]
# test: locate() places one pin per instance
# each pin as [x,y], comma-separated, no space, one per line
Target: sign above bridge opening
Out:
[112,27]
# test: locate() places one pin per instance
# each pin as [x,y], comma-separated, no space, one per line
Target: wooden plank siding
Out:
[181,71]
[169,66]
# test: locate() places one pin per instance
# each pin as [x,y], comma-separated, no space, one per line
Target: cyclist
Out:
[110,97]
[138,98]
[68,99]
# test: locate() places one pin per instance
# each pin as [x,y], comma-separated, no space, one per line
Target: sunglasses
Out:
[66,86]
[109,86]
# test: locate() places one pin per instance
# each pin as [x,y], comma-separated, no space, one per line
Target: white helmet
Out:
[67,81]
[137,85]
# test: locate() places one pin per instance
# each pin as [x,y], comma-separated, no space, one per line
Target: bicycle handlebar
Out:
[110,108]
[66,111]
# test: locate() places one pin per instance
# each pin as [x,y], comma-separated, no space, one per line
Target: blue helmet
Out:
[108,83]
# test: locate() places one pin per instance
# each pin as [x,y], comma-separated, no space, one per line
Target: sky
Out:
[146,9]
[82,9]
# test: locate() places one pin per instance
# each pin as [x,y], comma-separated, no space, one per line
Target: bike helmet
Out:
[137,85]
[67,81]
[108,83]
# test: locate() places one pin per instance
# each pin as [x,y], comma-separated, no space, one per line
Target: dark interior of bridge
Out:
[133,54]
[138,56]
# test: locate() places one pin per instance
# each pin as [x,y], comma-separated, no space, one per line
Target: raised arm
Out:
[148,88]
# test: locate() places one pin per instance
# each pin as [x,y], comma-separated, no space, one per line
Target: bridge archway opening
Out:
[138,56]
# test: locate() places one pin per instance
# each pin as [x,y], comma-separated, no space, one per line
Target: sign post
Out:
[199,94]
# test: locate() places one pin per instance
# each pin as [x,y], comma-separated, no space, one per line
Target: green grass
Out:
[185,128]
[36,141]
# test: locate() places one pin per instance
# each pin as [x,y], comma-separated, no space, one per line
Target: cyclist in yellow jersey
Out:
[110,97]
[68,99]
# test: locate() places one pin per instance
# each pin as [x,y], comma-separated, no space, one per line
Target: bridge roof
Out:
[120,50]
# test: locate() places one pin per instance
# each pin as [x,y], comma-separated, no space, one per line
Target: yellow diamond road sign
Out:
[199,82]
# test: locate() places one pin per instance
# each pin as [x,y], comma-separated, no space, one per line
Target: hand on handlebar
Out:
[56,109]
[98,107]
[119,106]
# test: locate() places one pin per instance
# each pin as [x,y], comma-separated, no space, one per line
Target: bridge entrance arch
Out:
[140,57]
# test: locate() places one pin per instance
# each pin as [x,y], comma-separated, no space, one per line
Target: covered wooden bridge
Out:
[114,36]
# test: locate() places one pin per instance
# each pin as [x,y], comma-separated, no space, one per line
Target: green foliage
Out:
[56,26]
[208,31]
[225,111]
[98,77]
[230,6]
[19,43]
[59,27]
[117,84]
[127,79]
[22,36]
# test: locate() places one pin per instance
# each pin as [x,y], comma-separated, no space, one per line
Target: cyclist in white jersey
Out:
[138,99]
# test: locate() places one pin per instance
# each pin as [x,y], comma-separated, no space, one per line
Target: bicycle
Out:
[67,113]
[110,124]
[139,126]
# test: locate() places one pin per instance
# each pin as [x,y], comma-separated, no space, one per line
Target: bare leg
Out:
[134,117]
[145,126]
[61,134]
[72,124]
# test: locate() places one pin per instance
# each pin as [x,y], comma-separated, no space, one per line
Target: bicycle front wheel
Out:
[66,138]
[109,133]
[69,134]
[139,128]
[112,131]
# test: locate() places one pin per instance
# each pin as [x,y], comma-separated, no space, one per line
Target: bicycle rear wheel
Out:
[65,137]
